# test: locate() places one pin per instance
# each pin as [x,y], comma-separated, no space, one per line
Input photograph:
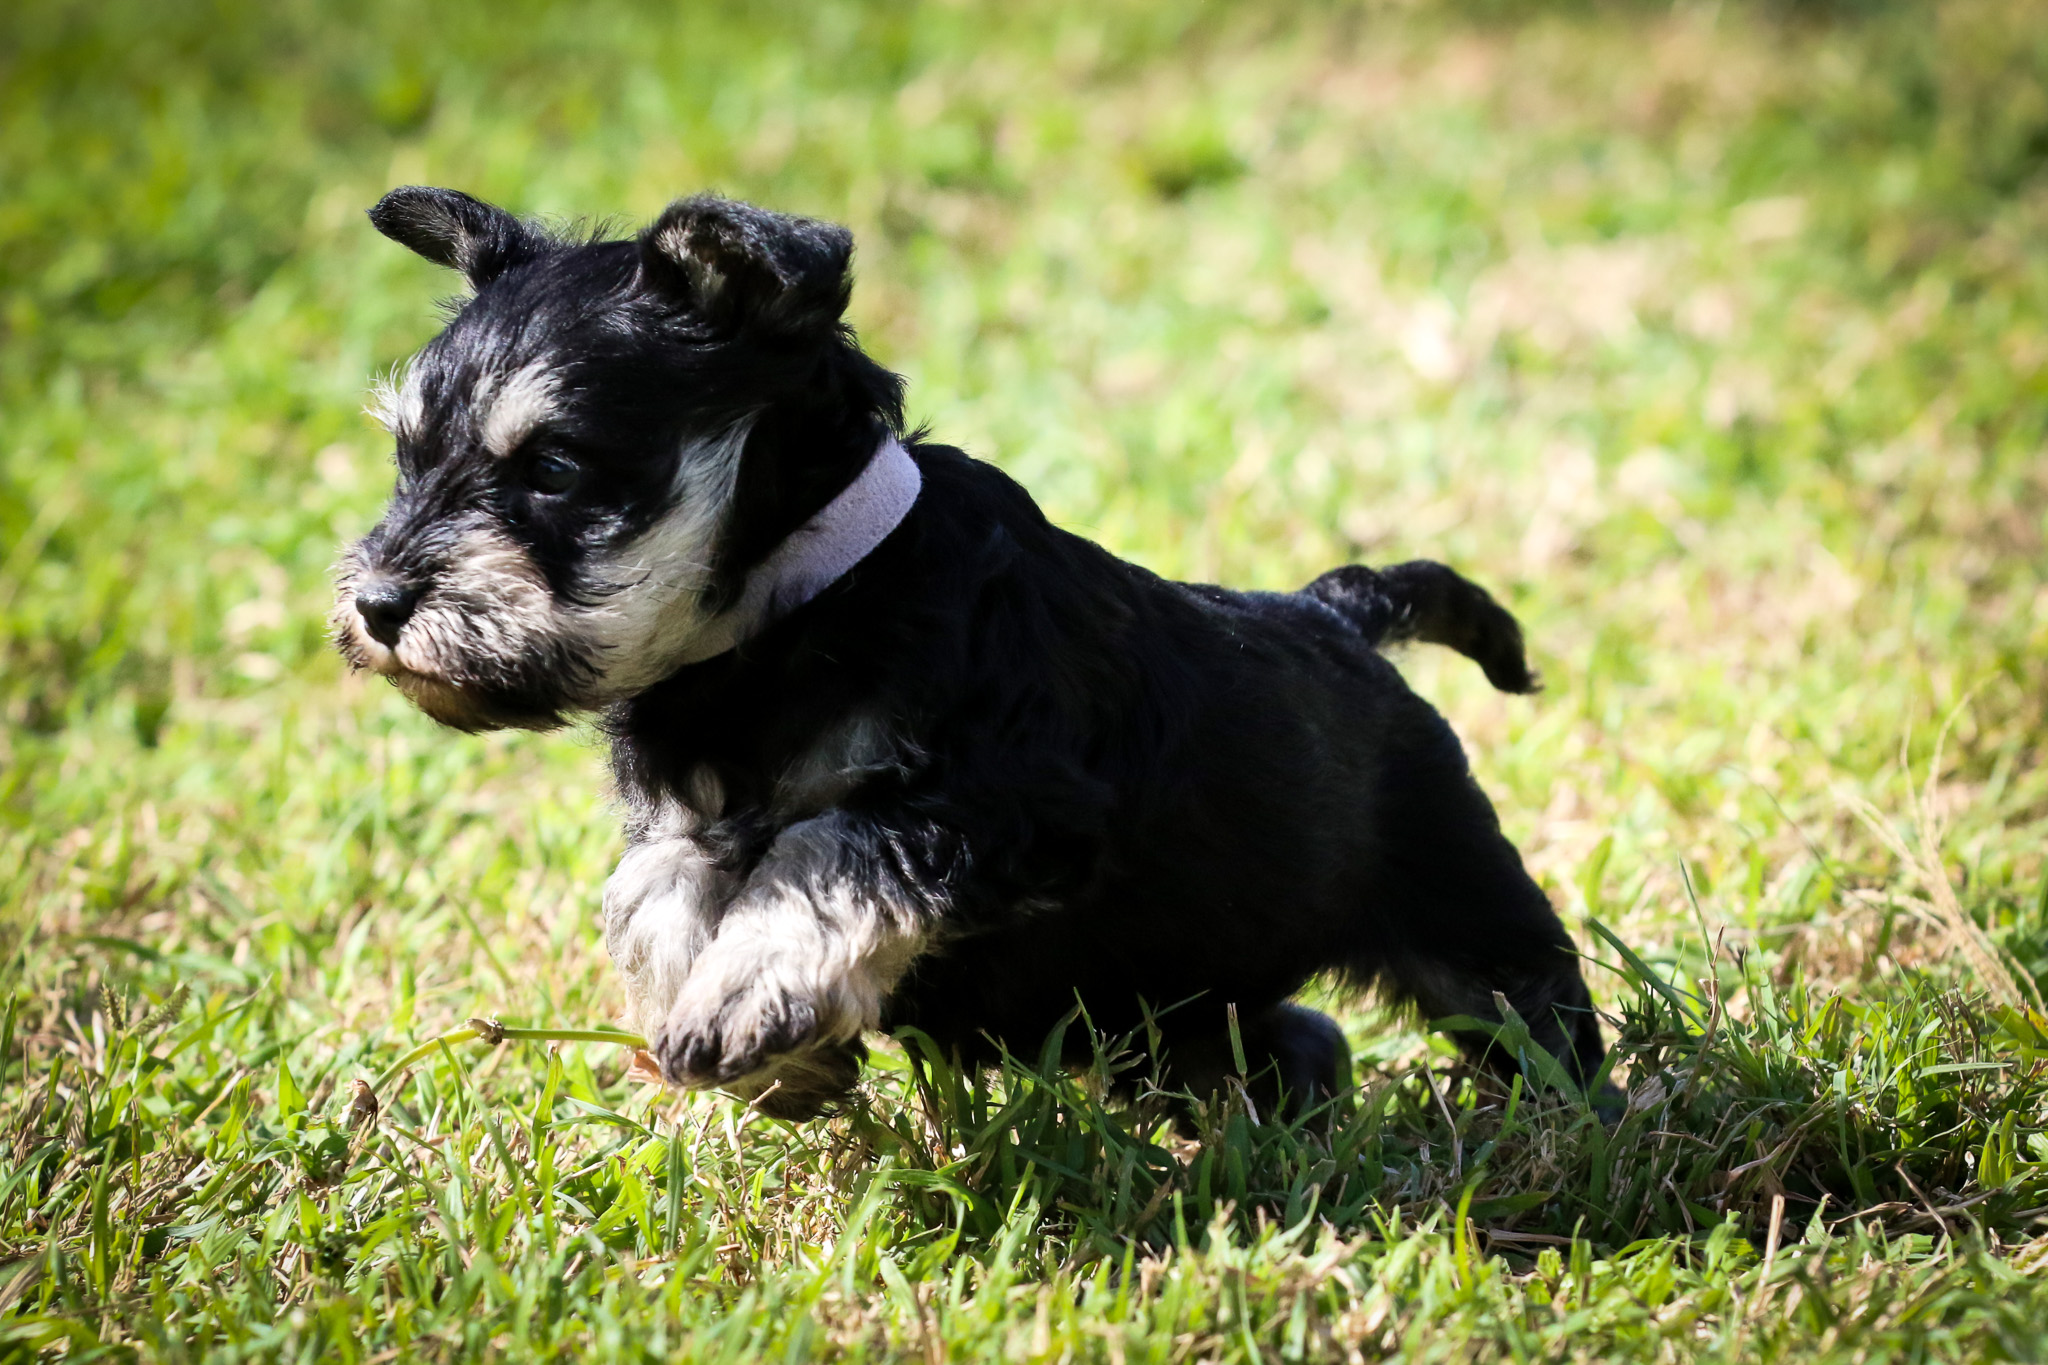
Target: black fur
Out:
[1099,785]
[450,228]
[1128,789]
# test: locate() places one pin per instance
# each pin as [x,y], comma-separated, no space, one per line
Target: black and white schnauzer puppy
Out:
[895,749]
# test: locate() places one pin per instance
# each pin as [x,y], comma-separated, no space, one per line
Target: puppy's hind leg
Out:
[1294,1059]
[1457,920]
[1543,988]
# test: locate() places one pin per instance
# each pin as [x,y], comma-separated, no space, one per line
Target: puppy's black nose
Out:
[385,606]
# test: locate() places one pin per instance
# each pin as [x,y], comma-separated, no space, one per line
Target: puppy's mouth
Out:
[374,656]
[464,706]
[479,647]
[461,706]
[443,701]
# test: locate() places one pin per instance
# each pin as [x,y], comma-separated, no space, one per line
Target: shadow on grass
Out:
[1918,1113]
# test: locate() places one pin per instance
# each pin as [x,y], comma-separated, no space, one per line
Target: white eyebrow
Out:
[513,408]
[396,403]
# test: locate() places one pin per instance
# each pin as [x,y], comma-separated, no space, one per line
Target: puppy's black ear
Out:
[450,228]
[742,267]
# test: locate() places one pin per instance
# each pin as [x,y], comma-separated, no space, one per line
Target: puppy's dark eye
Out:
[552,474]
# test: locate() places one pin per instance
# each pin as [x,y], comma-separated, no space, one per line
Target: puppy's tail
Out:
[1424,600]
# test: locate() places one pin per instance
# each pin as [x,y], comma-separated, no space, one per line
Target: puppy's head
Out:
[601,442]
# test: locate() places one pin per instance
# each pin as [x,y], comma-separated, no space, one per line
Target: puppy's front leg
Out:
[660,909]
[800,964]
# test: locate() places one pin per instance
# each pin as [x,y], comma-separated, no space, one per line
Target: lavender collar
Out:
[818,553]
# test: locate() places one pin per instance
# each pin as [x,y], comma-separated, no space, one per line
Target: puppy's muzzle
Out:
[386,604]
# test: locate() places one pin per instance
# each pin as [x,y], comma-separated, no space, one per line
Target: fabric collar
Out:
[818,553]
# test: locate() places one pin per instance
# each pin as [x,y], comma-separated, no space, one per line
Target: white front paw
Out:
[660,909]
[714,1037]
[750,1000]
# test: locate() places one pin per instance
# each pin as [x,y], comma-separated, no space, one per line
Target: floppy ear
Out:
[743,267]
[450,228]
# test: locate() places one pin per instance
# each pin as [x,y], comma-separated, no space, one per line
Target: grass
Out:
[1714,338]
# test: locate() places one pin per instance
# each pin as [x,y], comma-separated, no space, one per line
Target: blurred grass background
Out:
[1712,337]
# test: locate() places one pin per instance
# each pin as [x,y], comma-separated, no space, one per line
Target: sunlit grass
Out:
[1714,339]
